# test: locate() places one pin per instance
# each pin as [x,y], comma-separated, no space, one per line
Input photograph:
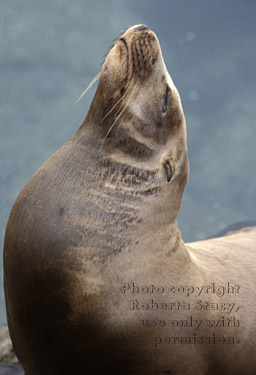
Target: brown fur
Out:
[101,212]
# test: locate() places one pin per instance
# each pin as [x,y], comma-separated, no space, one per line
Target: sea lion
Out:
[97,278]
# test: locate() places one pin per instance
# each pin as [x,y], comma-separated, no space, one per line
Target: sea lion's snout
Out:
[140,89]
[135,56]
[143,51]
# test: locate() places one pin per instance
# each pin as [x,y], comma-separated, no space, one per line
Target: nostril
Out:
[142,27]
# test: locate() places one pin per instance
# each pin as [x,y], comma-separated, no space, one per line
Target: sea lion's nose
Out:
[141,27]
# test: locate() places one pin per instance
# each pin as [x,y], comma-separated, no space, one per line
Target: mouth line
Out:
[122,39]
[125,43]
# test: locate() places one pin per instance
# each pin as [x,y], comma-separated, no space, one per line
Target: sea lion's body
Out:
[100,216]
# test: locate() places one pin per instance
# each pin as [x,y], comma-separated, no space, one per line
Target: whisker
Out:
[113,42]
[138,75]
[133,94]
[109,49]
[123,109]
[120,114]
[136,79]
[114,106]
[95,79]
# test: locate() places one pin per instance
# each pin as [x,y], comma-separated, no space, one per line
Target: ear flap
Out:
[170,169]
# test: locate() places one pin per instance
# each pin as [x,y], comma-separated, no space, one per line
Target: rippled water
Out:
[50,50]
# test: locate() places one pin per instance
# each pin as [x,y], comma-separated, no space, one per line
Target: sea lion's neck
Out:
[134,196]
[127,167]
[162,237]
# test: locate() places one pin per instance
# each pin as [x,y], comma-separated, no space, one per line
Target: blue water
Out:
[50,51]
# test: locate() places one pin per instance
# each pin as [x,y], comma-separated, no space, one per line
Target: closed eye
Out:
[166,99]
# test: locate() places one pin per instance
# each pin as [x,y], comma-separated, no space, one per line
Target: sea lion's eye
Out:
[166,99]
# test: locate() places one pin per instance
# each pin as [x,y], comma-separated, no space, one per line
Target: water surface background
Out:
[50,50]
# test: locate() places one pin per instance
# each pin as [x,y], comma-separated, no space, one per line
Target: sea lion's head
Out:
[137,114]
